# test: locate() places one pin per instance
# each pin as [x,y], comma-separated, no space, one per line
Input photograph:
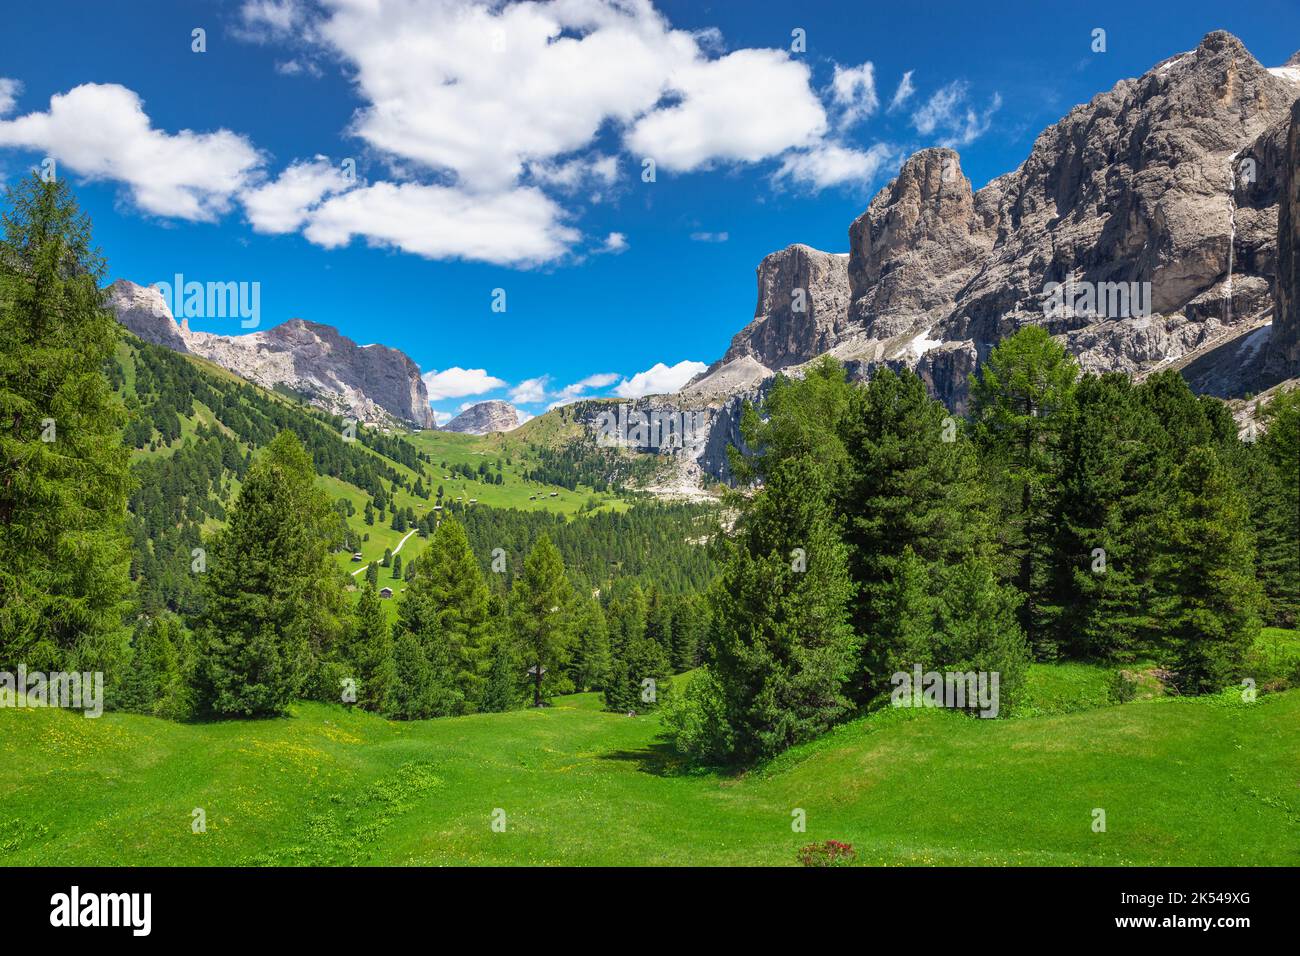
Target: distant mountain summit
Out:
[484,417]
[372,383]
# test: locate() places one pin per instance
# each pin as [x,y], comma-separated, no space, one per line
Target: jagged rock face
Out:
[803,297]
[143,311]
[918,243]
[1285,345]
[1161,196]
[484,417]
[371,383]
[1138,185]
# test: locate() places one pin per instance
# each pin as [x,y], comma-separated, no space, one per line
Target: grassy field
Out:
[1204,781]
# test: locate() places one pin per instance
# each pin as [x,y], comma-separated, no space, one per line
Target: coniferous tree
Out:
[156,682]
[1209,600]
[1275,501]
[914,486]
[1019,399]
[369,654]
[416,692]
[690,624]
[268,578]
[782,647]
[446,606]
[539,600]
[589,663]
[1110,495]
[501,688]
[64,561]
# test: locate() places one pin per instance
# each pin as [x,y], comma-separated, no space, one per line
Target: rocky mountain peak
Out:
[1156,205]
[916,245]
[143,310]
[485,417]
[803,295]
[372,384]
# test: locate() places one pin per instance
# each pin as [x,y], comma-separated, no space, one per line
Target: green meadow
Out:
[1198,781]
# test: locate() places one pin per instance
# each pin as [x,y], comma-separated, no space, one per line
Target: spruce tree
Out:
[446,607]
[268,578]
[914,486]
[1107,515]
[1275,500]
[1210,599]
[368,653]
[65,589]
[539,600]
[782,648]
[589,663]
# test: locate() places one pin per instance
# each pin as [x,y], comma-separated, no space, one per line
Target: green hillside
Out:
[194,427]
[1182,781]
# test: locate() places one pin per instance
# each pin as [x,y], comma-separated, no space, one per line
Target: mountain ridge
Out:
[1159,198]
[374,384]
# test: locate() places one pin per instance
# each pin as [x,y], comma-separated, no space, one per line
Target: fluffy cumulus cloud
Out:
[458,382]
[487,126]
[284,204]
[530,390]
[830,164]
[747,106]
[517,226]
[659,379]
[100,131]
[482,89]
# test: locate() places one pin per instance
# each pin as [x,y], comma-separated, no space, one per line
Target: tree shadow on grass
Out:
[661,759]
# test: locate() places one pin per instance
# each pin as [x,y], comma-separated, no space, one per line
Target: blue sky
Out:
[502,147]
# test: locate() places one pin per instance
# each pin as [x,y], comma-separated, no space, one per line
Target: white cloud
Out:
[519,226]
[481,90]
[530,390]
[974,124]
[940,109]
[903,93]
[457,382]
[659,379]
[615,242]
[747,106]
[853,90]
[578,390]
[284,204]
[268,19]
[441,418]
[599,380]
[596,173]
[830,164]
[534,391]
[9,90]
[947,111]
[100,131]
[710,236]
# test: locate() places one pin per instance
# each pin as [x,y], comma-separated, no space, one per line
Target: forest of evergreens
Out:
[1067,516]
